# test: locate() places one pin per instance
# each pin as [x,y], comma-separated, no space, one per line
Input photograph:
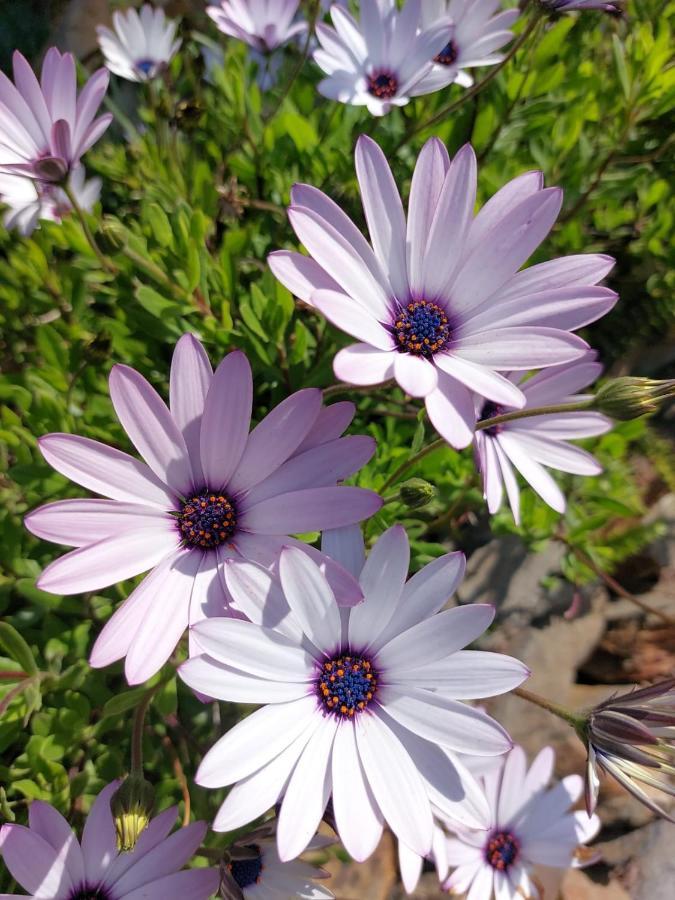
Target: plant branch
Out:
[560,711]
[137,733]
[106,263]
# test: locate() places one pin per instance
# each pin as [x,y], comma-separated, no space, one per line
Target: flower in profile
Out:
[629,397]
[265,25]
[562,6]
[473,39]
[361,704]
[529,444]
[30,201]
[253,870]
[140,45]
[45,128]
[438,302]
[529,826]
[207,491]
[49,862]
[380,61]
[632,738]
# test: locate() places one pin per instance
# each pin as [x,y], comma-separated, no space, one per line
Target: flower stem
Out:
[476,89]
[481,426]
[106,263]
[137,733]
[614,585]
[561,712]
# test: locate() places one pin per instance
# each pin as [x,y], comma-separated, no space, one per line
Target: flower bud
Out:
[629,398]
[131,806]
[112,235]
[416,492]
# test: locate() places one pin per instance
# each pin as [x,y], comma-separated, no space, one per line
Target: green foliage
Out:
[194,202]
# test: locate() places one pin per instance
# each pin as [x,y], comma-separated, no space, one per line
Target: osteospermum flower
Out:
[254,871]
[561,6]
[207,491]
[474,36]
[632,738]
[530,444]
[362,704]
[30,201]
[530,826]
[141,45]
[49,862]
[438,302]
[46,126]
[265,25]
[380,61]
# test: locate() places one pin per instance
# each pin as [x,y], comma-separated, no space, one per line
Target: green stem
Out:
[476,89]
[535,411]
[137,733]
[561,712]
[487,423]
[352,388]
[106,263]
[154,271]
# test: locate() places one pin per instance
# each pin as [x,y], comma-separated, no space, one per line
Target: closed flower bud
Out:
[112,236]
[416,492]
[629,398]
[131,806]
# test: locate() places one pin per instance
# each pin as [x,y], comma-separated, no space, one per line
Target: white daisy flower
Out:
[29,201]
[474,36]
[380,61]
[361,705]
[530,826]
[141,45]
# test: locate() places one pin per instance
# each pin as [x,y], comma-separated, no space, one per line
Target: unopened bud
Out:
[629,398]
[112,235]
[416,492]
[131,806]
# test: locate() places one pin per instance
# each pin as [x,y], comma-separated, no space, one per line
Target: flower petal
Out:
[452,411]
[350,317]
[301,275]
[34,863]
[520,348]
[191,375]
[310,598]
[226,419]
[357,816]
[416,375]
[481,380]
[361,364]
[311,510]
[150,426]
[425,189]
[470,675]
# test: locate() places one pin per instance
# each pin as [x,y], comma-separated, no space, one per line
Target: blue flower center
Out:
[207,520]
[502,850]
[345,685]
[247,871]
[146,66]
[382,84]
[448,54]
[421,328]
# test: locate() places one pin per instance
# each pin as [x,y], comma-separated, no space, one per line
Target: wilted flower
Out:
[362,704]
[253,870]
[46,128]
[207,491]
[529,826]
[629,398]
[30,201]
[632,738]
[141,45]
[49,862]
[531,443]
[473,38]
[378,62]
[440,302]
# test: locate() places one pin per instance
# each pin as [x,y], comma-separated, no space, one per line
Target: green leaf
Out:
[17,648]
[123,702]
[621,68]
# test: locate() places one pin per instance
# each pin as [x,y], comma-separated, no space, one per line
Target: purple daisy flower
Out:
[530,444]
[438,302]
[361,704]
[208,490]
[45,128]
[477,31]
[530,825]
[50,863]
[378,62]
